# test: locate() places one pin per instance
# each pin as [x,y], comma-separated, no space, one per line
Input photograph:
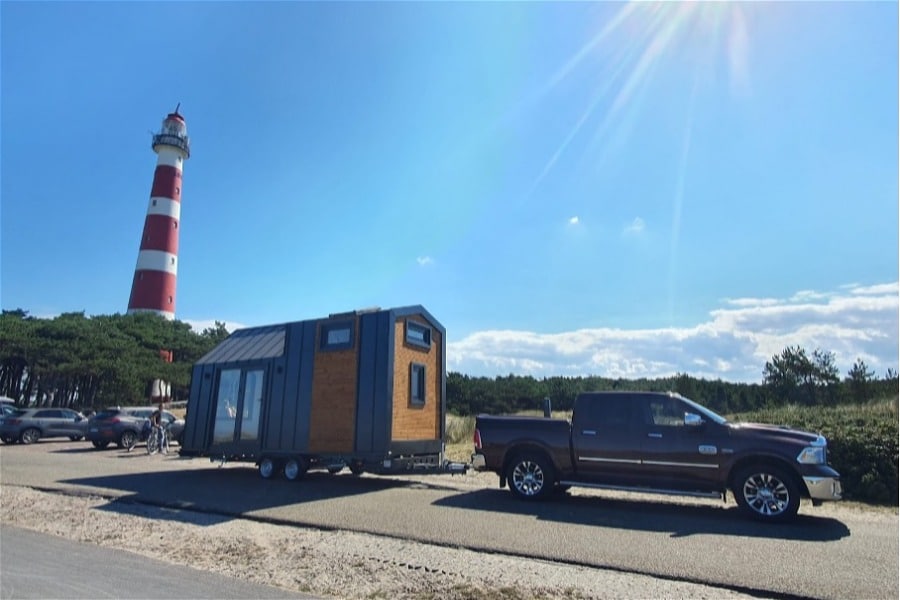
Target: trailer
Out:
[364,390]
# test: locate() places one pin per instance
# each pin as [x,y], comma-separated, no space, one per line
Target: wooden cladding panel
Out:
[332,418]
[416,422]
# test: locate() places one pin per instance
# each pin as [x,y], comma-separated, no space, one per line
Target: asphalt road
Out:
[829,552]
[41,566]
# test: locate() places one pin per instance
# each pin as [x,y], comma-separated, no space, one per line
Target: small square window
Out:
[417,384]
[418,334]
[337,335]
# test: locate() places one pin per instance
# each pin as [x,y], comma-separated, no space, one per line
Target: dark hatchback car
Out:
[125,426]
[29,425]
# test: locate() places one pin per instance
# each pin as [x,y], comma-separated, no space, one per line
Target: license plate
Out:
[94,430]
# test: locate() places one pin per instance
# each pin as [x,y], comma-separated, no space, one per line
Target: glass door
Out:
[238,405]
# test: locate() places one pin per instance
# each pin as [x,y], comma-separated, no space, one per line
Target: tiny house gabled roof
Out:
[248,344]
[255,343]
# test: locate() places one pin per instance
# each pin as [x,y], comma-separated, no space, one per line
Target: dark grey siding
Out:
[373,405]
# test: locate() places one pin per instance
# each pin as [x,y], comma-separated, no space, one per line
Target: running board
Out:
[623,488]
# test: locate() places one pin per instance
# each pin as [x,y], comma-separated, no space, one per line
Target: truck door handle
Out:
[654,435]
[588,432]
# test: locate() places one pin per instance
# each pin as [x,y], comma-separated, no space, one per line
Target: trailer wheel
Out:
[294,469]
[335,470]
[357,467]
[530,476]
[267,467]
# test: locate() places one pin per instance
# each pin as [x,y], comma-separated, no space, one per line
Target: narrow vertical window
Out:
[417,384]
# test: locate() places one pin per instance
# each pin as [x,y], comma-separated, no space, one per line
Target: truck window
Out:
[611,412]
[666,411]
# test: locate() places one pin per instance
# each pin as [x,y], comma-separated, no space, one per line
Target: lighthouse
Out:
[153,287]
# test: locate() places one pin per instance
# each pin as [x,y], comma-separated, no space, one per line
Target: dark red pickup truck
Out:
[660,443]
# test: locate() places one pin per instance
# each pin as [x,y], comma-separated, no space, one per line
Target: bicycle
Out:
[158,440]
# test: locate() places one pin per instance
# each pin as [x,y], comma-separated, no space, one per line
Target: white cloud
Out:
[635,227]
[424,261]
[573,220]
[198,325]
[733,344]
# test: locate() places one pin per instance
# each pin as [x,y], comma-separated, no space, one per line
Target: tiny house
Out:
[363,389]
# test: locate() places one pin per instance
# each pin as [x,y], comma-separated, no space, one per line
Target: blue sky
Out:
[613,189]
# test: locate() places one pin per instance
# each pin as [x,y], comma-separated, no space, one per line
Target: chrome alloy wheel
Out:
[528,478]
[766,494]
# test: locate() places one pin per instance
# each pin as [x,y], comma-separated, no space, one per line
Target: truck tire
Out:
[766,493]
[267,467]
[530,476]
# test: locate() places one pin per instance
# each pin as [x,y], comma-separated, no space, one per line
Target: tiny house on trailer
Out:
[364,389]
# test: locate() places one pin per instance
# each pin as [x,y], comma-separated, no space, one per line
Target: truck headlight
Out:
[812,455]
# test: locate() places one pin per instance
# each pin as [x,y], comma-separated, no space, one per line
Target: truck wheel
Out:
[294,469]
[267,467]
[530,476]
[766,493]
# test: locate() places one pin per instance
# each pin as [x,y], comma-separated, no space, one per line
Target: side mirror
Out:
[693,420]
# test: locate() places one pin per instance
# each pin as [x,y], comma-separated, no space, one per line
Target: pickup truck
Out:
[658,443]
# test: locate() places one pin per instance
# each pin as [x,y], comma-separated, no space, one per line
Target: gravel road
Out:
[327,563]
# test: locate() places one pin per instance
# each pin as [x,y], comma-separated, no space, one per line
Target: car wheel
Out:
[128,439]
[767,493]
[100,444]
[75,438]
[530,476]
[30,436]
[267,467]
[294,469]
[8,439]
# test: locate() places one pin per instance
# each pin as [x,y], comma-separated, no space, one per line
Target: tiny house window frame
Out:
[327,329]
[417,387]
[418,334]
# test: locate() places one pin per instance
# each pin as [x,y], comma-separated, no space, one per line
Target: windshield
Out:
[705,412]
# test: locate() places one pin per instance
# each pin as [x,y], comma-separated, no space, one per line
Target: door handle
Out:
[588,432]
[654,435]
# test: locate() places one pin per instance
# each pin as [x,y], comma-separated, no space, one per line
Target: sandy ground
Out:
[331,564]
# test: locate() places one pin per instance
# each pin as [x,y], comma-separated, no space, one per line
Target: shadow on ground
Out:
[661,516]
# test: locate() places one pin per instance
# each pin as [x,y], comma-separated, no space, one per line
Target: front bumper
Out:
[823,488]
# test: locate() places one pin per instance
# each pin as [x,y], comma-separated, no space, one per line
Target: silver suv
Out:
[125,426]
[31,424]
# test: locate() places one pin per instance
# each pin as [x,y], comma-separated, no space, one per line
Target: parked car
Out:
[125,426]
[28,425]
[659,443]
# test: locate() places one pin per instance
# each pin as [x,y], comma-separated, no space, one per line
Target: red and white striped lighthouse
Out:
[153,288]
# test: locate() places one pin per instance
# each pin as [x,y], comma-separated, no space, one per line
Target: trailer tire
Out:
[357,467]
[295,469]
[530,476]
[267,467]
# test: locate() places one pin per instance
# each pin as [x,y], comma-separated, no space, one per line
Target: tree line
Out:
[791,377]
[84,362]
[92,362]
